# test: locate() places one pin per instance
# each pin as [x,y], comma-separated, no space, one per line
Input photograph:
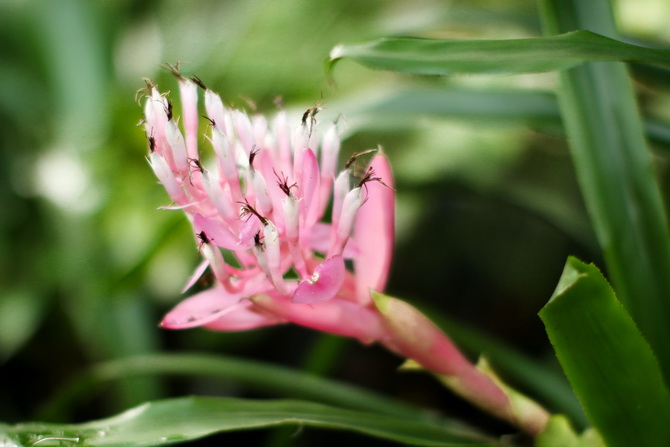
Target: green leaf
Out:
[537,108]
[608,362]
[534,107]
[259,375]
[532,55]
[182,419]
[616,175]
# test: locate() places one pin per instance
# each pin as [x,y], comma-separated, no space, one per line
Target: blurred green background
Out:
[488,207]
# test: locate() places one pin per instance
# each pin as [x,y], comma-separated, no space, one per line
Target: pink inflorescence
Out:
[263,201]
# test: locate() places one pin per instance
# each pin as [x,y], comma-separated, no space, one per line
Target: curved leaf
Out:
[608,362]
[182,419]
[532,55]
[260,375]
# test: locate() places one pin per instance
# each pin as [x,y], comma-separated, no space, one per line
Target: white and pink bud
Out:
[260,188]
[219,194]
[217,112]
[330,150]
[340,190]
[225,155]
[274,259]
[291,209]
[175,141]
[189,100]
[167,178]
[214,257]
[345,222]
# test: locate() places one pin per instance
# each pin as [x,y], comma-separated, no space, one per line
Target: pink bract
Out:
[257,204]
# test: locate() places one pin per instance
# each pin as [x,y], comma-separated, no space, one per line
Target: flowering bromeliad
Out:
[264,204]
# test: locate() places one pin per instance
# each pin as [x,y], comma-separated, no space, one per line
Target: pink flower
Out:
[263,202]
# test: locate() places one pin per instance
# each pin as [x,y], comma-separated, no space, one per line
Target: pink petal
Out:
[309,188]
[213,304]
[374,232]
[244,318]
[317,239]
[336,316]
[326,282]
[195,277]
[217,232]
[200,309]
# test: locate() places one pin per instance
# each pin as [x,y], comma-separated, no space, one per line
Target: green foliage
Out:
[608,362]
[615,171]
[445,57]
[259,375]
[183,419]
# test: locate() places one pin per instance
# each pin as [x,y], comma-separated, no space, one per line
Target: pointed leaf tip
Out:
[380,300]
[609,363]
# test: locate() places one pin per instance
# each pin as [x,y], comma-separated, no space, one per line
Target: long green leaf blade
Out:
[532,55]
[282,381]
[614,169]
[402,108]
[182,419]
[608,362]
